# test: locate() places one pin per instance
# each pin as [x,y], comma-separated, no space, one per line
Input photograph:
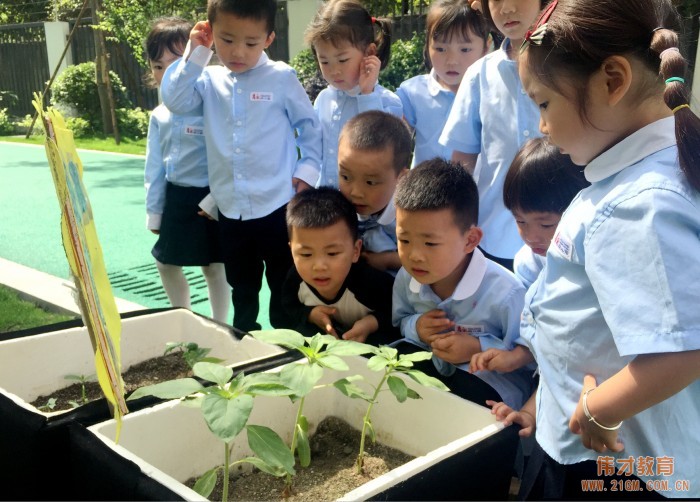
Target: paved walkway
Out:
[30,232]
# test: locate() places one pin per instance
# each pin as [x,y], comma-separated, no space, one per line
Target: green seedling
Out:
[82,379]
[387,360]
[226,407]
[320,351]
[191,353]
[49,406]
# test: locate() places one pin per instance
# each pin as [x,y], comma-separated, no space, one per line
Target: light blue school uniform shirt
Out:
[622,279]
[334,108]
[426,106]
[527,265]
[378,231]
[492,116]
[486,303]
[175,153]
[250,119]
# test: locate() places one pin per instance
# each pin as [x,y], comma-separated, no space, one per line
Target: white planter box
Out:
[171,443]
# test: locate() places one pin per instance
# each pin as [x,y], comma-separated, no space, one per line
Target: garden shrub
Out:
[79,126]
[308,73]
[132,122]
[406,61]
[6,126]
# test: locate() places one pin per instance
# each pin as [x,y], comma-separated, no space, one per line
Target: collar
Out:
[389,214]
[470,281]
[434,87]
[355,91]
[635,147]
[264,58]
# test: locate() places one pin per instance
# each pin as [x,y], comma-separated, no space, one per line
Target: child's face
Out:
[366,178]
[514,17]
[240,41]
[432,248]
[340,65]
[452,56]
[323,256]
[537,228]
[159,66]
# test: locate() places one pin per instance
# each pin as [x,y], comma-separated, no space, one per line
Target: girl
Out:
[456,36]
[491,119]
[176,180]
[351,47]
[613,320]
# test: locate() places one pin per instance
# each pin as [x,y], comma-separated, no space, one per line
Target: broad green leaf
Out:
[315,343]
[389,352]
[193,401]
[416,356]
[348,388]
[171,389]
[266,384]
[206,483]
[326,338]
[170,346]
[303,448]
[269,447]
[226,417]
[301,377]
[214,360]
[213,373]
[349,348]
[377,363]
[332,362]
[412,394]
[426,380]
[273,470]
[398,388]
[284,337]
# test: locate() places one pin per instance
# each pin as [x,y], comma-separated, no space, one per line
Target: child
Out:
[491,119]
[456,36]
[614,320]
[448,297]
[373,153]
[351,47]
[176,180]
[330,289]
[253,107]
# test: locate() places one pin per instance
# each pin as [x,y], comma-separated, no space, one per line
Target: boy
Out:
[252,109]
[448,297]
[374,151]
[329,289]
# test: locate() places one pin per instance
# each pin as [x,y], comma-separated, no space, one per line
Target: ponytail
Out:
[383,32]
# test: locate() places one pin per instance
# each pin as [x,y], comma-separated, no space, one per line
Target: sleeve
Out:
[380,99]
[181,85]
[303,118]
[526,267]
[209,206]
[462,131]
[373,288]
[154,176]
[409,112]
[404,315]
[297,312]
[509,308]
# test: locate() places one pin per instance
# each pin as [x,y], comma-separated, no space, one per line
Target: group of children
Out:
[384,248]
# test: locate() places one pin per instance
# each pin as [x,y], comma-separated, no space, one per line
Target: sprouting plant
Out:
[388,360]
[226,406]
[320,351]
[191,353]
[50,405]
[83,380]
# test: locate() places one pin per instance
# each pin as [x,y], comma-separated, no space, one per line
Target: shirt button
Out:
[239,123]
[522,91]
[239,91]
[336,117]
[330,150]
[526,133]
[238,150]
[239,176]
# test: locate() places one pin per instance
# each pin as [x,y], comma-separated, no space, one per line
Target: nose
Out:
[543,127]
[355,191]
[414,255]
[319,264]
[508,6]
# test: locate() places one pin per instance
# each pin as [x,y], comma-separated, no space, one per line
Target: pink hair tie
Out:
[666,51]
[374,20]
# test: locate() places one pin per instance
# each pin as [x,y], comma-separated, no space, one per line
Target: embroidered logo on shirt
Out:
[471,329]
[261,96]
[563,245]
[194,131]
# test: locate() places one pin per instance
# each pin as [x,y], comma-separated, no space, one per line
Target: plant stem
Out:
[296,425]
[227,459]
[366,421]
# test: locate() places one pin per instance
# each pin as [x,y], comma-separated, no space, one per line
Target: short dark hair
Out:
[440,184]
[376,130]
[541,178]
[261,10]
[321,208]
[171,33]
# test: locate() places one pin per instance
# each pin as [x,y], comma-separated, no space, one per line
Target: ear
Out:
[371,50]
[356,250]
[616,77]
[270,38]
[473,238]
[402,173]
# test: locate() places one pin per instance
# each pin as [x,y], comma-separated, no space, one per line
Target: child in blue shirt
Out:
[448,297]
[490,120]
[351,47]
[256,113]
[176,181]
[613,320]
[455,37]
[373,153]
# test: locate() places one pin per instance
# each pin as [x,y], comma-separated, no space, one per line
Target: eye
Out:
[227,40]
[549,226]
[252,44]
[372,183]
[343,60]
[345,177]
[439,49]
[466,49]
[432,244]
[305,255]
[403,241]
[334,253]
[543,106]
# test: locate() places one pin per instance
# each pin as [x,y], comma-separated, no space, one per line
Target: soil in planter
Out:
[332,473]
[151,371]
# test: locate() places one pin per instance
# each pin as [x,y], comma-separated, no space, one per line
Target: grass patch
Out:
[16,314]
[126,145]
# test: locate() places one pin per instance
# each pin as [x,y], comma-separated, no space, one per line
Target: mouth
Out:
[322,281]
[360,208]
[419,272]
[511,24]
[539,251]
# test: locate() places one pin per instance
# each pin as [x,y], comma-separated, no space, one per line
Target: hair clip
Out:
[374,20]
[536,34]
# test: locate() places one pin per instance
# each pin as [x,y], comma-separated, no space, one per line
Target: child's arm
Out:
[321,316]
[303,118]
[455,348]
[362,329]
[372,97]
[646,381]
[406,317]
[526,417]
[468,160]
[154,177]
[503,361]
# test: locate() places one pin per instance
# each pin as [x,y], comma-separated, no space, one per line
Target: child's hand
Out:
[321,317]
[157,232]
[455,348]
[201,34]
[369,73]
[592,436]
[503,361]
[300,185]
[476,5]
[205,214]
[362,329]
[431,323]
[507,415]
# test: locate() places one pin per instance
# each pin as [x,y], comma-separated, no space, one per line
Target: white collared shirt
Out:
[622,278]
[382,237]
